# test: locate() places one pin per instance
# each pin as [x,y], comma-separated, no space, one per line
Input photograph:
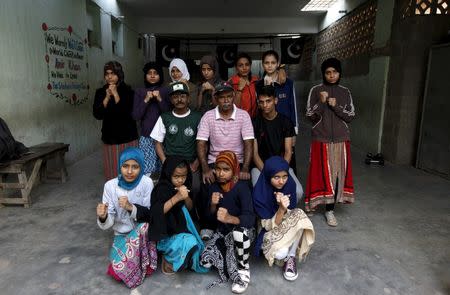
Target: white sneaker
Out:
[245,277]
[331,219]
[238,289]
[206,234]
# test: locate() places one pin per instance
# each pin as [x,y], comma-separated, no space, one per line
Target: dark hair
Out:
[182,164]
[267,90]
[158,68]
[242,55]
[270,52]
[116,68]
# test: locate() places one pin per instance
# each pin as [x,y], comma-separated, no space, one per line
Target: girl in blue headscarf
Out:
[286,232]
[133,256]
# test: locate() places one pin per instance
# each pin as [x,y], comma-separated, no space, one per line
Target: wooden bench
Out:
[36,158]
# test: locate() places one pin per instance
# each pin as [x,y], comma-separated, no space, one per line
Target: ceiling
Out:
[217,8]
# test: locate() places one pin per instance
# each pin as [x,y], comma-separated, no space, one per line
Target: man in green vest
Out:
[175,131]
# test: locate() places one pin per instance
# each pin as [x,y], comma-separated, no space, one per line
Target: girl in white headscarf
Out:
[179,73]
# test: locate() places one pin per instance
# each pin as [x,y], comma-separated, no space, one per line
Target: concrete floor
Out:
[393,240]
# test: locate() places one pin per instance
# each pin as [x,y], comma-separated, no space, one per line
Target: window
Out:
[93,24]
[318,5]
[117,36]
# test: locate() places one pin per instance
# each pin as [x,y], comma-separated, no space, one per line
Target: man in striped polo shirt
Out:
[226,128]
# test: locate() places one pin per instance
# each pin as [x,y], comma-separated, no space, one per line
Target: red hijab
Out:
[229,158]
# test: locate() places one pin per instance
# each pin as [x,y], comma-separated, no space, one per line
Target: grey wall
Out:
[368,90]
[411,40]
[32,113]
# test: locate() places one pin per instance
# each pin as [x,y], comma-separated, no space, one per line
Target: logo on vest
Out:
[173,129]
[188,132]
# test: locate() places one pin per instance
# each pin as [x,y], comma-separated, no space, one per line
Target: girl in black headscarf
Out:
[330,108]
[169,221]
[113,105]
[149,102]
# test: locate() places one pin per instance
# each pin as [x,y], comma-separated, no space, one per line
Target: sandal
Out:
[166,267]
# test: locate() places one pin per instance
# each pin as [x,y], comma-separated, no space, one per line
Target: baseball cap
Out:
[223,86]
[178,87]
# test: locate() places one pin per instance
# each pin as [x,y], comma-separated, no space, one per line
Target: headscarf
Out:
[229,158]
[116,68]
[181,65]
[264,199]
[173,222]
[155,66]
[212,62]
[331,63]
[131,153]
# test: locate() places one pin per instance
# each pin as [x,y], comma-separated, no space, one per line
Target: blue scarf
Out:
[264,200]
[131,153]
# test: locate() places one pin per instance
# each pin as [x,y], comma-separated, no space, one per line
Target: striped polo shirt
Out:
[225,134]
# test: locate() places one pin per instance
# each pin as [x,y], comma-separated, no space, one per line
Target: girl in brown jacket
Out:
[330,108]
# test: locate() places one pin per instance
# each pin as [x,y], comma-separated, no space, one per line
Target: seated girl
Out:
[230,205]
[287,233]
[169,219]
[116,211]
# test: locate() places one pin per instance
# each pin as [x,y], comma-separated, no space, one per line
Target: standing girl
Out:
[287,234]
[113,105]
[149,103]
[132,255]
[179,73]
[210,78]
[330,108]
[244,84]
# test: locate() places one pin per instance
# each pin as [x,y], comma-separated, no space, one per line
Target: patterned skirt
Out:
[133,256]
[152,162]
[111,154]
[295,224]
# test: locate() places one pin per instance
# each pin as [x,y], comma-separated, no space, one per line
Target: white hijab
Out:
[180,65]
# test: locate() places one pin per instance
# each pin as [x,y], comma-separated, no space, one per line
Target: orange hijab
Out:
[229,158]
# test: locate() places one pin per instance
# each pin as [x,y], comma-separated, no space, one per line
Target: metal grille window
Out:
[352,35]
[426,7]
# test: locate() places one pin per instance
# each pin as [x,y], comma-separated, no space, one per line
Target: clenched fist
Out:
[323,96]
[222,215]
[123,203]
[215,198]
[102,210]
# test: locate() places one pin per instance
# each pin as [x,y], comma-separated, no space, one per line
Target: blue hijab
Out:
[264,199]
[131,153]
[263,193]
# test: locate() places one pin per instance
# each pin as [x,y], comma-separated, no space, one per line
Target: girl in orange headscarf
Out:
[230,205]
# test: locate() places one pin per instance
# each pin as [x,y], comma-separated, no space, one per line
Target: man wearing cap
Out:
[175,132]
[226,127]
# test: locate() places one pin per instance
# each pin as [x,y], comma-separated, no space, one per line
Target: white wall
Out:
[333,14]
[32,113]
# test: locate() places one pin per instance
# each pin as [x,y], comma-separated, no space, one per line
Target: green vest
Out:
[181,134]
